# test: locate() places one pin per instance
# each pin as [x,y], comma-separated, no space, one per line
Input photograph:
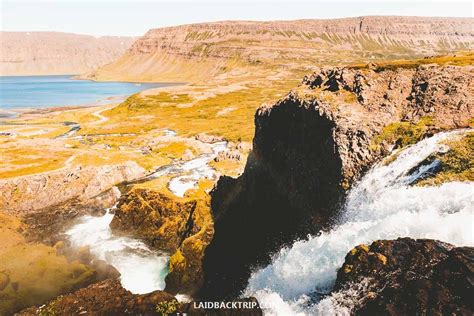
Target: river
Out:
[142,270]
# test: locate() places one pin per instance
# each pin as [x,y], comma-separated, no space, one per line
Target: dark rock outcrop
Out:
[311,146]
[105,298]
[284,180]
[410,277]
[110,298]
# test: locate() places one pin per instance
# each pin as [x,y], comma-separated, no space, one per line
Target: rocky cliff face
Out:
[22,195]
[200,51]
[311,145]
[52,53]
[409,277]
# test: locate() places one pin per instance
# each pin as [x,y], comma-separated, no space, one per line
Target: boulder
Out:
[410,277]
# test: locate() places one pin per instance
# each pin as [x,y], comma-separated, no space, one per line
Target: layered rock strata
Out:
[201,51]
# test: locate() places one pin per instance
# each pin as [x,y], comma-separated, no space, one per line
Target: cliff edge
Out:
[312,145]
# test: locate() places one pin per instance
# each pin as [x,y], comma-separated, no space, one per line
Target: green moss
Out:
[167,307]
[136,102]
[457,164]
[50,308]
[402,134]
[36,275]
[177,261]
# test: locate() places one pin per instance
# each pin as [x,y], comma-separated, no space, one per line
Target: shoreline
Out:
[8,112]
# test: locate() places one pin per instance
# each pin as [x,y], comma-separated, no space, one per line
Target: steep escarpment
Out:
[53,53]
[312,145]
[202,51]
[407,276]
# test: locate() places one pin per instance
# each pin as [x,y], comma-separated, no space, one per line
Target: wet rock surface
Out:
[410,277]
[311,146]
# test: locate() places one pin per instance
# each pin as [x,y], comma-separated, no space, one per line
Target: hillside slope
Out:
[201,51]
[53,53]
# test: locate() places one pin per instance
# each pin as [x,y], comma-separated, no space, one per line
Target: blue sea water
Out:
[49,91]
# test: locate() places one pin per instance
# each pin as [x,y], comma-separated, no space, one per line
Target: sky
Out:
[134,18]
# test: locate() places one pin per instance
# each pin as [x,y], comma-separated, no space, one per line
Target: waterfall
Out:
[142,269]
[382,205]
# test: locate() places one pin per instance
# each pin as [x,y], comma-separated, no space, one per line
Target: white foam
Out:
[381,206]
[142,270]
[194,170]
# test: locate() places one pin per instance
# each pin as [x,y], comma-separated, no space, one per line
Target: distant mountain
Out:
[200,51]
[48,53]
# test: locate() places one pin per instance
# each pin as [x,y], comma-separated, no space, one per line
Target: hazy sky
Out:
[126,17]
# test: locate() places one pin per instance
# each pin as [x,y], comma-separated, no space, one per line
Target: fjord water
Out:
[383,205]
[49,91]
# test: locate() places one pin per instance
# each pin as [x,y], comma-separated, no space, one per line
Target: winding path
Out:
[102,118]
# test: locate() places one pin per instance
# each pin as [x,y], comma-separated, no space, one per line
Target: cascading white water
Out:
[190,172]
[141,269]
[381,206]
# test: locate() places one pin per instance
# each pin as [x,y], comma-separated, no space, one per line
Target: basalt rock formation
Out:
[202,51]
[54,53]
[312,145]
[410,277]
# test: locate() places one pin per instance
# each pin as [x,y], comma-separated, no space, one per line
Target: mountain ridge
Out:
[57,53]
[198,52]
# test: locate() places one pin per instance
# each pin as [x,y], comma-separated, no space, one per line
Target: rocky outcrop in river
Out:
[180,226]
[409,277]
[105,298]
[312,145]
